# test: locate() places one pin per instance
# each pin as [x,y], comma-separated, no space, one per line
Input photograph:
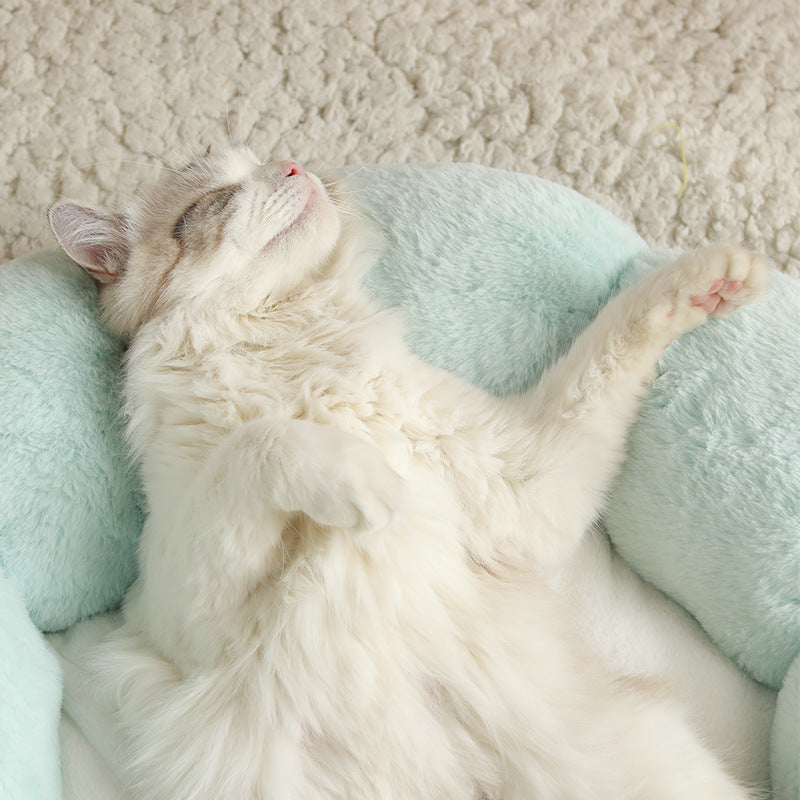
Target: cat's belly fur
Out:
[387,668]
[441,438]
[363,689]
[384,659]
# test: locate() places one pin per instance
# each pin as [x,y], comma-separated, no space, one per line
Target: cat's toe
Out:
[738,277]
[722,297]
[714,281]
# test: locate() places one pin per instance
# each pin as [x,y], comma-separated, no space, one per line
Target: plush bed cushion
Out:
[496,272]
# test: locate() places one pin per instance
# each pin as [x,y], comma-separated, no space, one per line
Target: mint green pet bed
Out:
[497,273]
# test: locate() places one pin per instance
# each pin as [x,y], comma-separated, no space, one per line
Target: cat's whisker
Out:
[228,122]
[240,118]
[162,161]
[171,147]
[357,169]
[345,208]
[89,164]
[382,151]
[392,232]
[92,164]
[249,135]
[348,175]
[173,151]
[251,129]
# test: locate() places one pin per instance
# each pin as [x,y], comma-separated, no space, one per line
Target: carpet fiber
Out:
[93,95]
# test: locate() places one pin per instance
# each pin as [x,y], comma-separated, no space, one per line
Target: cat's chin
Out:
[314,205]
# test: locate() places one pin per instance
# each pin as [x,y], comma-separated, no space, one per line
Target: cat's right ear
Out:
[96,239]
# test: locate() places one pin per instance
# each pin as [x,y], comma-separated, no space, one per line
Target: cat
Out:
[343,572]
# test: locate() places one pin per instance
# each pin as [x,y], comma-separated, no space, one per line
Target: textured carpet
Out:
[92,95]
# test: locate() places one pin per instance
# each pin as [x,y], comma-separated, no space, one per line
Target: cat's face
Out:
[224,231]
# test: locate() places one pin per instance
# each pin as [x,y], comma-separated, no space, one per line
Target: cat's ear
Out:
[96,239]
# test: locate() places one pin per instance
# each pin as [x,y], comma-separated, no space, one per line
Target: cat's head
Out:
[225,231]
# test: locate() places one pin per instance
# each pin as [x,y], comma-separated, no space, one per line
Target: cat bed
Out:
[30,701]
[497,273]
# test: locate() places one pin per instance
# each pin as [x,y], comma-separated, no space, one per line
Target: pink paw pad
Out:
[717,293]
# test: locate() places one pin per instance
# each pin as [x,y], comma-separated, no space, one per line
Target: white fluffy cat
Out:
[342,575]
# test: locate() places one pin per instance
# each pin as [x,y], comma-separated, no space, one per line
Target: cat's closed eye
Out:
[203,217]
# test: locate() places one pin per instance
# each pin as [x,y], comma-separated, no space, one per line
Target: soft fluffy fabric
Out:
[496,271]
[70,512]
[30,705]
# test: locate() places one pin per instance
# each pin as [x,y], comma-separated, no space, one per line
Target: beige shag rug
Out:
[600,95]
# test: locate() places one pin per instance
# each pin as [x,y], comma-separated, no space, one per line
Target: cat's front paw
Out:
[712,281]
[336,478]
[737,277]
[362,493]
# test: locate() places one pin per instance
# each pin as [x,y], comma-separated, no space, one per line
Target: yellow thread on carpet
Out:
[683,153]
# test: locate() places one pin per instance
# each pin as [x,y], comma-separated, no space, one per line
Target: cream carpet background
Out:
[569,91]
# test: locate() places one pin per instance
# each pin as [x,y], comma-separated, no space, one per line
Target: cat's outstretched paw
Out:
[712,281]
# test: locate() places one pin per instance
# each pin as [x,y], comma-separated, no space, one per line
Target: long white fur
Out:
[343,572]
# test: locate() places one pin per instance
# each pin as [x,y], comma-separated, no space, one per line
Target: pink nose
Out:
[290,168]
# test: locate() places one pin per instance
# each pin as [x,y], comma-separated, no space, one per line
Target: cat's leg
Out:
[581,409]
[234,528]
[658,754]
[633,744]
[559,724]
[210,578]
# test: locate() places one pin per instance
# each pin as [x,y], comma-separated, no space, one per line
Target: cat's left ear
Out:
[96,239]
